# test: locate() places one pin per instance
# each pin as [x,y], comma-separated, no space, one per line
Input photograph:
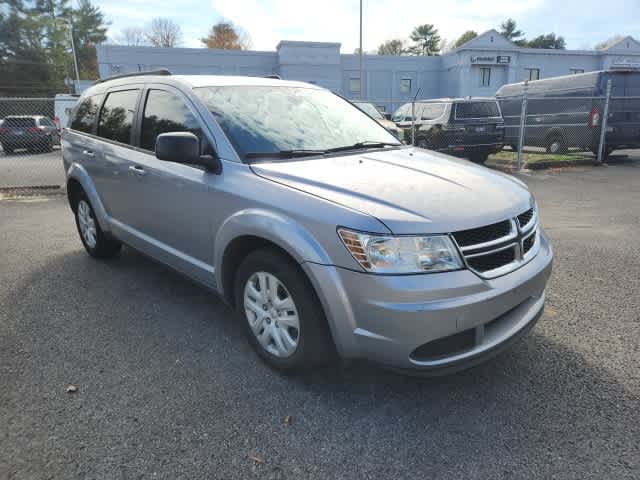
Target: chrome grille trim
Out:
[514,239]
[479,246]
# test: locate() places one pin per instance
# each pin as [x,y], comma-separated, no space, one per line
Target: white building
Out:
[478,68]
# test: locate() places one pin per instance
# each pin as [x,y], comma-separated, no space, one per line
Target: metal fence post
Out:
[523,124]
[605,117]
[413,117]
[413,122]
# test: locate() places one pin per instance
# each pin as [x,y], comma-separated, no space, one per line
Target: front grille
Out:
[491,261]
[499,248]
[525,218]
[528,243]
[480,235]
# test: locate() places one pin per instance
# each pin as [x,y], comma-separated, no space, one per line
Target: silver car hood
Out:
[409,189]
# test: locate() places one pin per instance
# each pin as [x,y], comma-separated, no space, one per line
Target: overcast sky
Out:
[583,23]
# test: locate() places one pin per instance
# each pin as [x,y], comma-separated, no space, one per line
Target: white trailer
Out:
[62,106]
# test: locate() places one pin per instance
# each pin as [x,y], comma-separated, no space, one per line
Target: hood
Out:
[409,189]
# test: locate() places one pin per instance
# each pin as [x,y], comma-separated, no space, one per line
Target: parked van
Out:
[463,127]
[566,112]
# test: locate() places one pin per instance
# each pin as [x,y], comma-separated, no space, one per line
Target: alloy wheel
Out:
[272,314]
[87,224]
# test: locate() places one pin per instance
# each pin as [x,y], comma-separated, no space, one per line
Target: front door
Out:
[170,204]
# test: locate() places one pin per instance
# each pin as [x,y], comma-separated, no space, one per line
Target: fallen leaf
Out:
[72,389]
[256,459]
[288,420]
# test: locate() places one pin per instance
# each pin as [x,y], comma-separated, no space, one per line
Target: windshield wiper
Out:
[285,153]
[362,145]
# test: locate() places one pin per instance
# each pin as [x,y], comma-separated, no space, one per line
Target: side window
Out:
[116,116]
[432,111]
[399,114]
[166,112]
[85,115]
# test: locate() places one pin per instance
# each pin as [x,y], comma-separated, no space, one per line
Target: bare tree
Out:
[391,47]
[164,32]
[227,36]
[132,37]
[608,42]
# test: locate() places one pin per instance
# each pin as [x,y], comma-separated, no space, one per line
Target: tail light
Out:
[594,118]
[35,129]
[3,130]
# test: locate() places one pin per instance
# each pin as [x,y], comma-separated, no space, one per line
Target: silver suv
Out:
[327,235]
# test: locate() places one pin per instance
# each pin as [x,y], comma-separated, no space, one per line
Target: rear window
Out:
[116,116]
[477,110]
[85,115]
[19,122]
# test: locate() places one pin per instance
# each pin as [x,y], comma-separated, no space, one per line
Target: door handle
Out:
[88,153]
[138,170]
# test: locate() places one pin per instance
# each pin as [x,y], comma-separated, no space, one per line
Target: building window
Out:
[381,108]
[532,74]
[575,71]
[354,85]
[486,76]
[405,85]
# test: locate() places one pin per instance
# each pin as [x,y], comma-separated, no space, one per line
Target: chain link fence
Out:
[30,156]
[517,131]
[521,130]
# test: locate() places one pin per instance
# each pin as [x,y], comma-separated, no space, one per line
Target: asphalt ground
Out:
[169,388]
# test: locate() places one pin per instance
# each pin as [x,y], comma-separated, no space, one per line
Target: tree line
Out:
[35,45]
[36,58]
[427,41]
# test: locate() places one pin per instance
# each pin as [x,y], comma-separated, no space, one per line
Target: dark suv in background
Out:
[34,132]
[464,127]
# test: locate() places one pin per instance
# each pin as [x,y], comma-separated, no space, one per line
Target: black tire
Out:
[314,345]
[7,150]
[479,157]
[556,144]
[105,246]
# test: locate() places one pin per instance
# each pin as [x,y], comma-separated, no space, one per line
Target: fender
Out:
[77,172]
[280,229]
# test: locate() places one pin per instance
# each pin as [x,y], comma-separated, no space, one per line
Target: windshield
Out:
[370,110]
[271,119]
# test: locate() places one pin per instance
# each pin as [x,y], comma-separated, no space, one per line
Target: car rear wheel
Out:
[282,317]
[7,149]
[95,241]
[556,144]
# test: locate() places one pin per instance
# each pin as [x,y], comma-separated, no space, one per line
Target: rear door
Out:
[481,120]
[111,154]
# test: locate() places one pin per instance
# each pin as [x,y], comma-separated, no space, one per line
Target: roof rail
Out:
[274,76]
[162,72]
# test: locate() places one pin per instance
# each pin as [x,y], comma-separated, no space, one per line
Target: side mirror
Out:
[184,147]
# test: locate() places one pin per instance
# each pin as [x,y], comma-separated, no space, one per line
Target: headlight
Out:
[401,254]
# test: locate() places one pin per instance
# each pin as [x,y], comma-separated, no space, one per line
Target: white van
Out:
[62,106]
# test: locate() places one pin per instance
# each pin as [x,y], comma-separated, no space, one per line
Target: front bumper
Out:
[387,318]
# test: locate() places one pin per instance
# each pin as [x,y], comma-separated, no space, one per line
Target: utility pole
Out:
[75,58]
[361,82]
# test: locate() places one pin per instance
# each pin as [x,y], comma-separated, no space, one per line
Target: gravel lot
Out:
[168,388]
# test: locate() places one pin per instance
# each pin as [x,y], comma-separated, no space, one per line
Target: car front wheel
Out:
[282,317]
